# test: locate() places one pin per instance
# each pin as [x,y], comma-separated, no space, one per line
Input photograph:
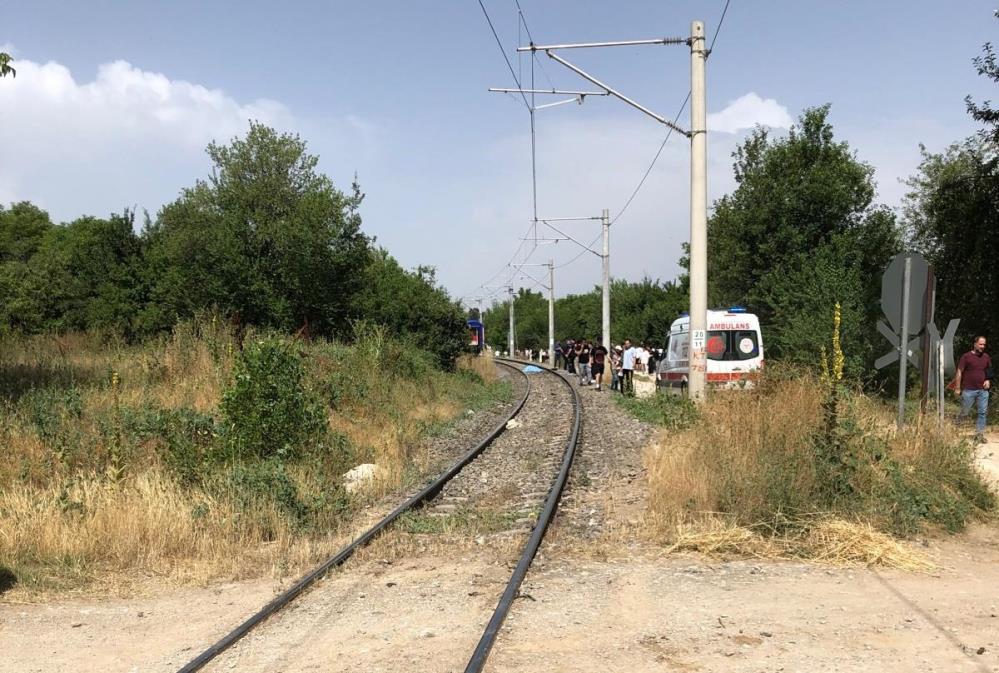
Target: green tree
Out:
[22,227]
[530,320]
[952,216]
[411,305]
[800,232]
[641,311]
[984,113]
[5,67]
[83,275]
[267,237]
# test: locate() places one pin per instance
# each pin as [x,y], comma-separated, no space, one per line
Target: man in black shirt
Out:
[599,357]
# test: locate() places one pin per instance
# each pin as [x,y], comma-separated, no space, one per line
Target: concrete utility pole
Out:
[510,335]
[551,297]
[605,325]
[551,312]
[604,256]
[698,214]
[698,182]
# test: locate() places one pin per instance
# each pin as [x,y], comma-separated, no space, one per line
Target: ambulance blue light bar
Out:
[737,309]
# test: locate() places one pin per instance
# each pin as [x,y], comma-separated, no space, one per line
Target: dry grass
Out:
[827,541]
[749,479]
[84,503]
[481,364]
[743,447]
[97,529]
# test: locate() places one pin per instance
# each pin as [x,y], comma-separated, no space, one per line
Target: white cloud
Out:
[746,112]
[119,140]
[584,166]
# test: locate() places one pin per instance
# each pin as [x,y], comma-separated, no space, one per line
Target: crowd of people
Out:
[595,365]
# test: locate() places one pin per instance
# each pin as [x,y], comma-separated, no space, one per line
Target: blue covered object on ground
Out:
[531,369]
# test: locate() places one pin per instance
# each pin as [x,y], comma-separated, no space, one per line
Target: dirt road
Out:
[633,611]
[635,614]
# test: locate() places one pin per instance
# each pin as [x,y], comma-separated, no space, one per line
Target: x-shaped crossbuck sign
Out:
[892,356]
[912,348]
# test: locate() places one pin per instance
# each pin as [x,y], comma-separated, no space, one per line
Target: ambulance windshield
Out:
[732,345]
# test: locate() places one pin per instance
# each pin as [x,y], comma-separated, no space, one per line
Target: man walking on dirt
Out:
[627,369]
[583,360]
[972,383]
[599,357]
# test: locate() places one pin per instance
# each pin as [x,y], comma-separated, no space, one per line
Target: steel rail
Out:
[317,573]
[488,639]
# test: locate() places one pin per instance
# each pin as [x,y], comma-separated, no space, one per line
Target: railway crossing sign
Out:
[892,291]
[908,301]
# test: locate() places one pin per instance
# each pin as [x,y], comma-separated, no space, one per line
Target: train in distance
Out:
[476,331]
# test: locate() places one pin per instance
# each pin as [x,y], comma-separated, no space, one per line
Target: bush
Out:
[666,409]
[266,410]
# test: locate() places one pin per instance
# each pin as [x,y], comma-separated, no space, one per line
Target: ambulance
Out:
[734,346]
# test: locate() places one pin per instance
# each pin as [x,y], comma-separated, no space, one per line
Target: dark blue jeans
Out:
[970,397]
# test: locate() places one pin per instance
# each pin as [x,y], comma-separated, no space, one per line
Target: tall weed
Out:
[760,457]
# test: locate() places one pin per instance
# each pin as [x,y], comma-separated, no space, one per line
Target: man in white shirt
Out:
[628,369]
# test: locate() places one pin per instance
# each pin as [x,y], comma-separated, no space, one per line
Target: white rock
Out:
[358,477]
[513,423]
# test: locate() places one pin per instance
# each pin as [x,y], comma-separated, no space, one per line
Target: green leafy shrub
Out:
[257,482]
[267,411]
[665,409]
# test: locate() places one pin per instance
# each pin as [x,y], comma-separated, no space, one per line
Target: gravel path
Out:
[441,452]
[513,476]
[606,485]
[498,494]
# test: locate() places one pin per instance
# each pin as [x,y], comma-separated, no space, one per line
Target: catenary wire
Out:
[506,58]
[589,248]
[530,37]
[648,171]
[669,133]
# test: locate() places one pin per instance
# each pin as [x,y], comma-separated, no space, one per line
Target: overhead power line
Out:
[499,44]
[669,132]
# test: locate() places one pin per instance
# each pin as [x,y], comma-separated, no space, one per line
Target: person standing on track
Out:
[599,357]
[973,382]
[628,369]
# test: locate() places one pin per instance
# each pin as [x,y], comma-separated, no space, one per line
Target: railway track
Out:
[467,483]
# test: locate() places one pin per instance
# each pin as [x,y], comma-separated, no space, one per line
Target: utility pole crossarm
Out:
[618,43]
[617,94]
[562,92]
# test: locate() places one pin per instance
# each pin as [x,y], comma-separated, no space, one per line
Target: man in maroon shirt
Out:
[972,383]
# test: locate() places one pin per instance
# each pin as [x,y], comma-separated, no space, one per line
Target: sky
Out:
[114,103]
